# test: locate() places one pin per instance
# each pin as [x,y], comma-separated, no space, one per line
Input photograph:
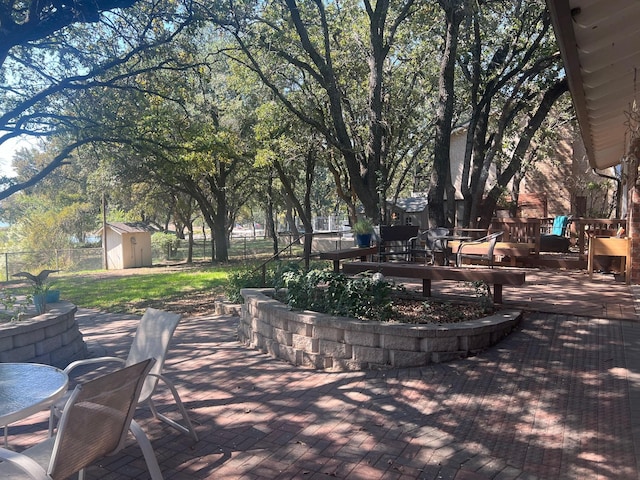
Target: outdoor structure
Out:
[563,183]
[601,53]
[409,211]
[533,205]
[127,245]
[569,184]
[563,178]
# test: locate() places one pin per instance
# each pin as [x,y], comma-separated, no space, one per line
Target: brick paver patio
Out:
[558,399]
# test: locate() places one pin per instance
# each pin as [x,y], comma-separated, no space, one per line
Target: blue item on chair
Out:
[556,241]
[560,225]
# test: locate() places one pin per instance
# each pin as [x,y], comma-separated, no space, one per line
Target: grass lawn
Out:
[127,290]
[132,290]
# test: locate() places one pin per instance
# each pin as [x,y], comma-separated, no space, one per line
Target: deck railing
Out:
[582,228]
[518,230]
[528,230]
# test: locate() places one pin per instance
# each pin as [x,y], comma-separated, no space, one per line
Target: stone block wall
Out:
[52,338]
[336,343]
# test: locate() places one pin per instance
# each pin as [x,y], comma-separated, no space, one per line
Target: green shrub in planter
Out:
[363,231]
[365,297]
[39,287]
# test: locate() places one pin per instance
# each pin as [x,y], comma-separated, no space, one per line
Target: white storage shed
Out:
[128,245]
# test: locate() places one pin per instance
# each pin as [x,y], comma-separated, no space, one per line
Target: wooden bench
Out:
[518,230]
[346,253]
[513,250]
[496,277]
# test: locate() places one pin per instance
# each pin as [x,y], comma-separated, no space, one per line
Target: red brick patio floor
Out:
[558,399]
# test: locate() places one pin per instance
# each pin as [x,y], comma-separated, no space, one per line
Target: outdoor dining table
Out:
[28,388]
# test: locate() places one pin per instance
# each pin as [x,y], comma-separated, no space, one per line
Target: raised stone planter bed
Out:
[52,338]
[337,343]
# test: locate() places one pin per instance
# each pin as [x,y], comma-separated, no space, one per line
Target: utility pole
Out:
[104,231]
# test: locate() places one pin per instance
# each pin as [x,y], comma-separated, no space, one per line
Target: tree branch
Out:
[22,24]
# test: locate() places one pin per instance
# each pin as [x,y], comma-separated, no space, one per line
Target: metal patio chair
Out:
[489,242]
[429,242]
[151,340]
[94,424]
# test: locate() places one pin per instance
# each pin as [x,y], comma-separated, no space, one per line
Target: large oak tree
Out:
[25,21]
[352,71]
[49,52]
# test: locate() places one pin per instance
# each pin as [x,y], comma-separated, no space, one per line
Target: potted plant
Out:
[39,288]
[363,230]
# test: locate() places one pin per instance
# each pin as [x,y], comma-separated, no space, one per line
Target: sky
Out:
[7,149]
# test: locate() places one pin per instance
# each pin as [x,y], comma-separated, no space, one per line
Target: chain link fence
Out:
[81,259]
[73,259]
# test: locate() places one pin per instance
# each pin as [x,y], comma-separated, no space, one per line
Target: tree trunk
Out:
[549,98]
[441,173]
[270,227]
[220,239]
[190,243]
[302,208]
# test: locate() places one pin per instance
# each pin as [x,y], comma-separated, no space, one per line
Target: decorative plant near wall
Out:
[15,309]
[39,287]
[366,297]
[363,230]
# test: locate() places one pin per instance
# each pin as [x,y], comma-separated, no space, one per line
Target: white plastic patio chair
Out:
[94,424]
[151,340]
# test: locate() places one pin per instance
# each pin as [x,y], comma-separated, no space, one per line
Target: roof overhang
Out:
[600,44]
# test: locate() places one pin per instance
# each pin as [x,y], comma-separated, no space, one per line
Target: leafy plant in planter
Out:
[365,297]
[39,287]
[15,310]
[363,230]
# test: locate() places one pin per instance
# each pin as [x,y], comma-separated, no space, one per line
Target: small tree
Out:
[165,244]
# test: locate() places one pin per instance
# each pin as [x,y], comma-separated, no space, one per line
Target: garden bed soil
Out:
[409,308]
[414,309]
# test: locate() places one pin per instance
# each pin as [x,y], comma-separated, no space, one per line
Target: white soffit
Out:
[600,45]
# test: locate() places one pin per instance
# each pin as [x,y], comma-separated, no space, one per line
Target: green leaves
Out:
[322,291]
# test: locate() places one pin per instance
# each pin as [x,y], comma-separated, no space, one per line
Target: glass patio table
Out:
[28,388]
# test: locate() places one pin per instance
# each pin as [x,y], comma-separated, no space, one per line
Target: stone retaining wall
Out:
[52,338]
[337,343]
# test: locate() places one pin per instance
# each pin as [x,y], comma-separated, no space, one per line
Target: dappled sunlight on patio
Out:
[550,401]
